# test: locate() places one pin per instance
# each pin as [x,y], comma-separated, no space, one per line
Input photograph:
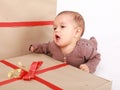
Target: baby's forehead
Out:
[65,17]
[67,14]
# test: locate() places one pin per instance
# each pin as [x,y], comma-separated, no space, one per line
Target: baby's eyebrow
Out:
[61,22]
[54,25]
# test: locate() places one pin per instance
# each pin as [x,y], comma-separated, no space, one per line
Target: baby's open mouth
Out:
[57,37]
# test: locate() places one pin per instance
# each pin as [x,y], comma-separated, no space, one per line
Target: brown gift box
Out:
[66,77]
[20,25]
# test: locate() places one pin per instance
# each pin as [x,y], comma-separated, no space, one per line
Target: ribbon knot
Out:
[31,73]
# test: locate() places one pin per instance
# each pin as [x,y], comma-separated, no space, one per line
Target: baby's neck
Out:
[68,49]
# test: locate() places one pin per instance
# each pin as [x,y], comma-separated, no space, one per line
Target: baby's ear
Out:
[79,30]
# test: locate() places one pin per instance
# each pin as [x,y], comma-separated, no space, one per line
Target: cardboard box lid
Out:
[67,77]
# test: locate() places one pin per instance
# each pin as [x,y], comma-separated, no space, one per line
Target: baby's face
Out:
[64,30]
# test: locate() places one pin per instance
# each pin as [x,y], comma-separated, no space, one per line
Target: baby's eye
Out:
[62,26]
[54,28]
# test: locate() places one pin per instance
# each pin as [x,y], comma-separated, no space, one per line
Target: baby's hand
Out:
[31,49]
[84,67]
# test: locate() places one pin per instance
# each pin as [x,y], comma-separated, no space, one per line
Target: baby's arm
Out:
[39,48]
[91,56]
[93,62]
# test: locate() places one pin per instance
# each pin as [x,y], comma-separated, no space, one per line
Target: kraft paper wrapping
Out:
[67,77]
[15,39]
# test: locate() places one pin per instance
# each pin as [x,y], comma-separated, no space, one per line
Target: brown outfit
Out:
[85,52]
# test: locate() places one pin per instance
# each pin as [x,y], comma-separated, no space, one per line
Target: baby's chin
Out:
[60,44]
[57,43]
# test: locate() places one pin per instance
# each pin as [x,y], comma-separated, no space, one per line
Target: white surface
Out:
[102,18]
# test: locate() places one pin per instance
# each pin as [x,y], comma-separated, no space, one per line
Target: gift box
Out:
[51,75]
[23,22]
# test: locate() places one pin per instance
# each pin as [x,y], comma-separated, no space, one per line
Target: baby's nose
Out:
[57,30]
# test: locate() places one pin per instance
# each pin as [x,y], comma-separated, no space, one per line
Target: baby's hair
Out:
[77,17]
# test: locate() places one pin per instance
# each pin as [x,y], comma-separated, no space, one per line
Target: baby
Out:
[68,46]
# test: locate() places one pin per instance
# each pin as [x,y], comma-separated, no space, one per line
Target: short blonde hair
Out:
[77,17]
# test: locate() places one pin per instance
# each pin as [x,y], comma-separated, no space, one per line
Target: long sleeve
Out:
[40,48]
[90,54]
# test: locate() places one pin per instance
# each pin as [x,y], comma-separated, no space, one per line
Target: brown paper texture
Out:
[14,41]
[67,77]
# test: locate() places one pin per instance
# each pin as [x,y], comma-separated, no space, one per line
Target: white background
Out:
[102,19]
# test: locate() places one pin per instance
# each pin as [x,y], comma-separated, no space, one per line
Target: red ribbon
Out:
[26,23]
[31,74]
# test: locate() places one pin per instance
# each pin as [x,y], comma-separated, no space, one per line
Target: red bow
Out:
[31,73]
